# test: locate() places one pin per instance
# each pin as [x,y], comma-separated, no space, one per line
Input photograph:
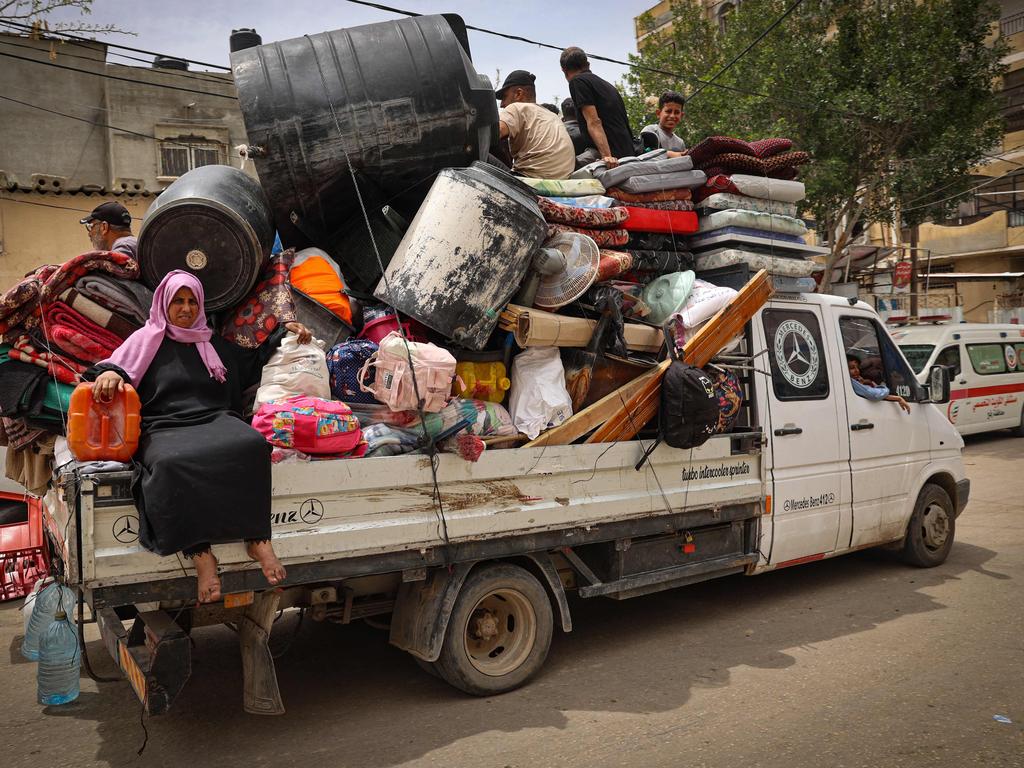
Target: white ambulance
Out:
[986,370]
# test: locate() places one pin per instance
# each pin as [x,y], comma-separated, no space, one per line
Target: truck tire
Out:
[931,529]
[499,632]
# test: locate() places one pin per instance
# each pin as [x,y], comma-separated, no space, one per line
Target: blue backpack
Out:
[344,361]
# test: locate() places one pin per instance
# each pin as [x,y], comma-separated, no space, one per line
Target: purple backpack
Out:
[344,361]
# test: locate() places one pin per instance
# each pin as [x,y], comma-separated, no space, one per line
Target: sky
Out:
[199,29]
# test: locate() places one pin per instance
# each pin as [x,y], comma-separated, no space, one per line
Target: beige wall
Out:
[33,233]
[989,233]
[978,297]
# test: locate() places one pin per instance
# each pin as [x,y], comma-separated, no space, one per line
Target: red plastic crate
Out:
[24,558]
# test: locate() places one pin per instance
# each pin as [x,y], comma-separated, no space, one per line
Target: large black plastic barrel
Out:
[214,222]
[401,98]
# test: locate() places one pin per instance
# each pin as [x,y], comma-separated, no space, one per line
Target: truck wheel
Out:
[427,666]
[931,529]
[499,632]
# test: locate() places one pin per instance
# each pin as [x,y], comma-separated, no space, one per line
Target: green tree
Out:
[896,100]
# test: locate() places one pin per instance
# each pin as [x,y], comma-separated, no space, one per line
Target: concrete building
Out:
[77,130]
[658,18]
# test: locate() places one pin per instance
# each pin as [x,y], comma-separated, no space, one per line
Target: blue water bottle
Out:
[49,599]
[59,662]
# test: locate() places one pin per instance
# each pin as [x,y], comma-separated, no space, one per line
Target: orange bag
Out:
[104,431]
[315,278]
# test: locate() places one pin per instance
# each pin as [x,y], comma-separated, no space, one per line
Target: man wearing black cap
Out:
[110,229]
[541,147]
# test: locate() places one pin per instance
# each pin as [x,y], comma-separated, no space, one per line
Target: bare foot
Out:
[206,575]
[263,553]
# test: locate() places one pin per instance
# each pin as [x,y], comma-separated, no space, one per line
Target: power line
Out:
[747,50]
[122,79]
[959,194]
[632,65]
[33,28]
[94,122]
[209,77]
[58,207]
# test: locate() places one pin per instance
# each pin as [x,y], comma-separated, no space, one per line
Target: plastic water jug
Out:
[30,602]
[481,381]
[51,598]
[104,431]
[60,659]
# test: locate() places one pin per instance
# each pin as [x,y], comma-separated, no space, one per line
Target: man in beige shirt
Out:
[539,143]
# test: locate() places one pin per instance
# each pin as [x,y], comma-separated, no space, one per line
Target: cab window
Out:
[796,354]
[879,358]
[950,358]
[987,359]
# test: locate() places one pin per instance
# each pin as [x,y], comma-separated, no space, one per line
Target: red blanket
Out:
[78,335]
[64,369]
[603,237]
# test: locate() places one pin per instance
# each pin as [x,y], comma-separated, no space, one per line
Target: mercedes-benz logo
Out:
[311,511]
[796,354]
[126,529]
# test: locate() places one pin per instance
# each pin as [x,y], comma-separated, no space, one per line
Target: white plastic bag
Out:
[538,399]
[701,305]
[295,369]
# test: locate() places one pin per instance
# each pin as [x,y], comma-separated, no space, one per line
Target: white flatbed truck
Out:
[474,571]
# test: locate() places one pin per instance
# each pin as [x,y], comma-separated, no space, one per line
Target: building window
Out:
[179,156]
[723,13]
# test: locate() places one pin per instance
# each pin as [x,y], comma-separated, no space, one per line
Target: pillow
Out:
[769,147]
[717,145]
[268,305]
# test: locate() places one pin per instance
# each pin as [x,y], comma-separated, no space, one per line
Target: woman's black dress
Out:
[202,474]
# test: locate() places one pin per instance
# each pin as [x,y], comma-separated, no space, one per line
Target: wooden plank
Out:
[708,341]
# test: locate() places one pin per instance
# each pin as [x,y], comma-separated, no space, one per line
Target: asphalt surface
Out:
[856,661]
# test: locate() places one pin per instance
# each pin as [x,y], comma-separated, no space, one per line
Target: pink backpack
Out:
[310,425]
[393,384]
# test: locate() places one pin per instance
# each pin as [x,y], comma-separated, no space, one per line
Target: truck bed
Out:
[343,517]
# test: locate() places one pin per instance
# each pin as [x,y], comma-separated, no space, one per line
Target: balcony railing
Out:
[1011,25]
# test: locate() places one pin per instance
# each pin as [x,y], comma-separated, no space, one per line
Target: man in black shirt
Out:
[605,126]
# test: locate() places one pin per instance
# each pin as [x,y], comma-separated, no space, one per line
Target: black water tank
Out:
[169,62]
[214,222]
[408,102]
[244,38]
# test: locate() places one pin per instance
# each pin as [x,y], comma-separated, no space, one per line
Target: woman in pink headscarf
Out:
[203,474]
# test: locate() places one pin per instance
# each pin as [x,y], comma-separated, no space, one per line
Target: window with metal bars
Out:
[181,155]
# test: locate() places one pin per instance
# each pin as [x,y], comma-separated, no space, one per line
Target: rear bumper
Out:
[963,492]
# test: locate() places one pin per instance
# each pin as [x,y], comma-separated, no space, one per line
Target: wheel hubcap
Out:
[934,526]
[500,632]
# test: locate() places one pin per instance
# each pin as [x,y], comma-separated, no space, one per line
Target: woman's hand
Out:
[304,334]
[107,385]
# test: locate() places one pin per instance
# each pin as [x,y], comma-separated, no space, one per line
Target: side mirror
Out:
[938,384]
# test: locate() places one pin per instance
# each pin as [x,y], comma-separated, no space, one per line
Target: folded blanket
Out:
[21,301]
[788,266]
[763,222]
[767,237]
[103,317]
[565,187]
[723,201]
[666,205]
[649,197]
[658,182]
[61,367]
[595,218]
[753,186]
[603,237]
[630,168]
[707,148]
[16,434]
[736,162]
[585,201]
[613,264]
[129,298]
[65,276]
[78,335]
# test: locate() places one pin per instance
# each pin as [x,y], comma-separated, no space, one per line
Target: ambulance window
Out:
[880,360]
[950,357]
[917,355]
[796,354]
[987,359]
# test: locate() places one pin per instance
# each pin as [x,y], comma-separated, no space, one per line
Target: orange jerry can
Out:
[104,431]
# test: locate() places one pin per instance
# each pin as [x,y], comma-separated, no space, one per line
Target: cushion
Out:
[647,220]
[268,305]
[717,145]
[649,197]
[769,189]
[662,181]
[775,265]
[603,237]
[667,205]
[699,238]
[597,218]
[723,201]
[769,147]
[565,187]
[765,222]
[614,177]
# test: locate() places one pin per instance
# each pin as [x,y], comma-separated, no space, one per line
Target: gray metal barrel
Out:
[465,253]
[399,99]
[214,222]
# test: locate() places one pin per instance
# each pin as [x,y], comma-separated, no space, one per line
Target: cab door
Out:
[888,447]
[809,469]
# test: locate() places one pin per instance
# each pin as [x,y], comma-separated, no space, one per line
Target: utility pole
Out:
[913,271]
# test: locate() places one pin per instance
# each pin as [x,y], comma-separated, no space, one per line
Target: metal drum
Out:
[214,222]
[465,254]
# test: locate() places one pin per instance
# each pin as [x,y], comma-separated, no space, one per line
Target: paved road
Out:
[858,661]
